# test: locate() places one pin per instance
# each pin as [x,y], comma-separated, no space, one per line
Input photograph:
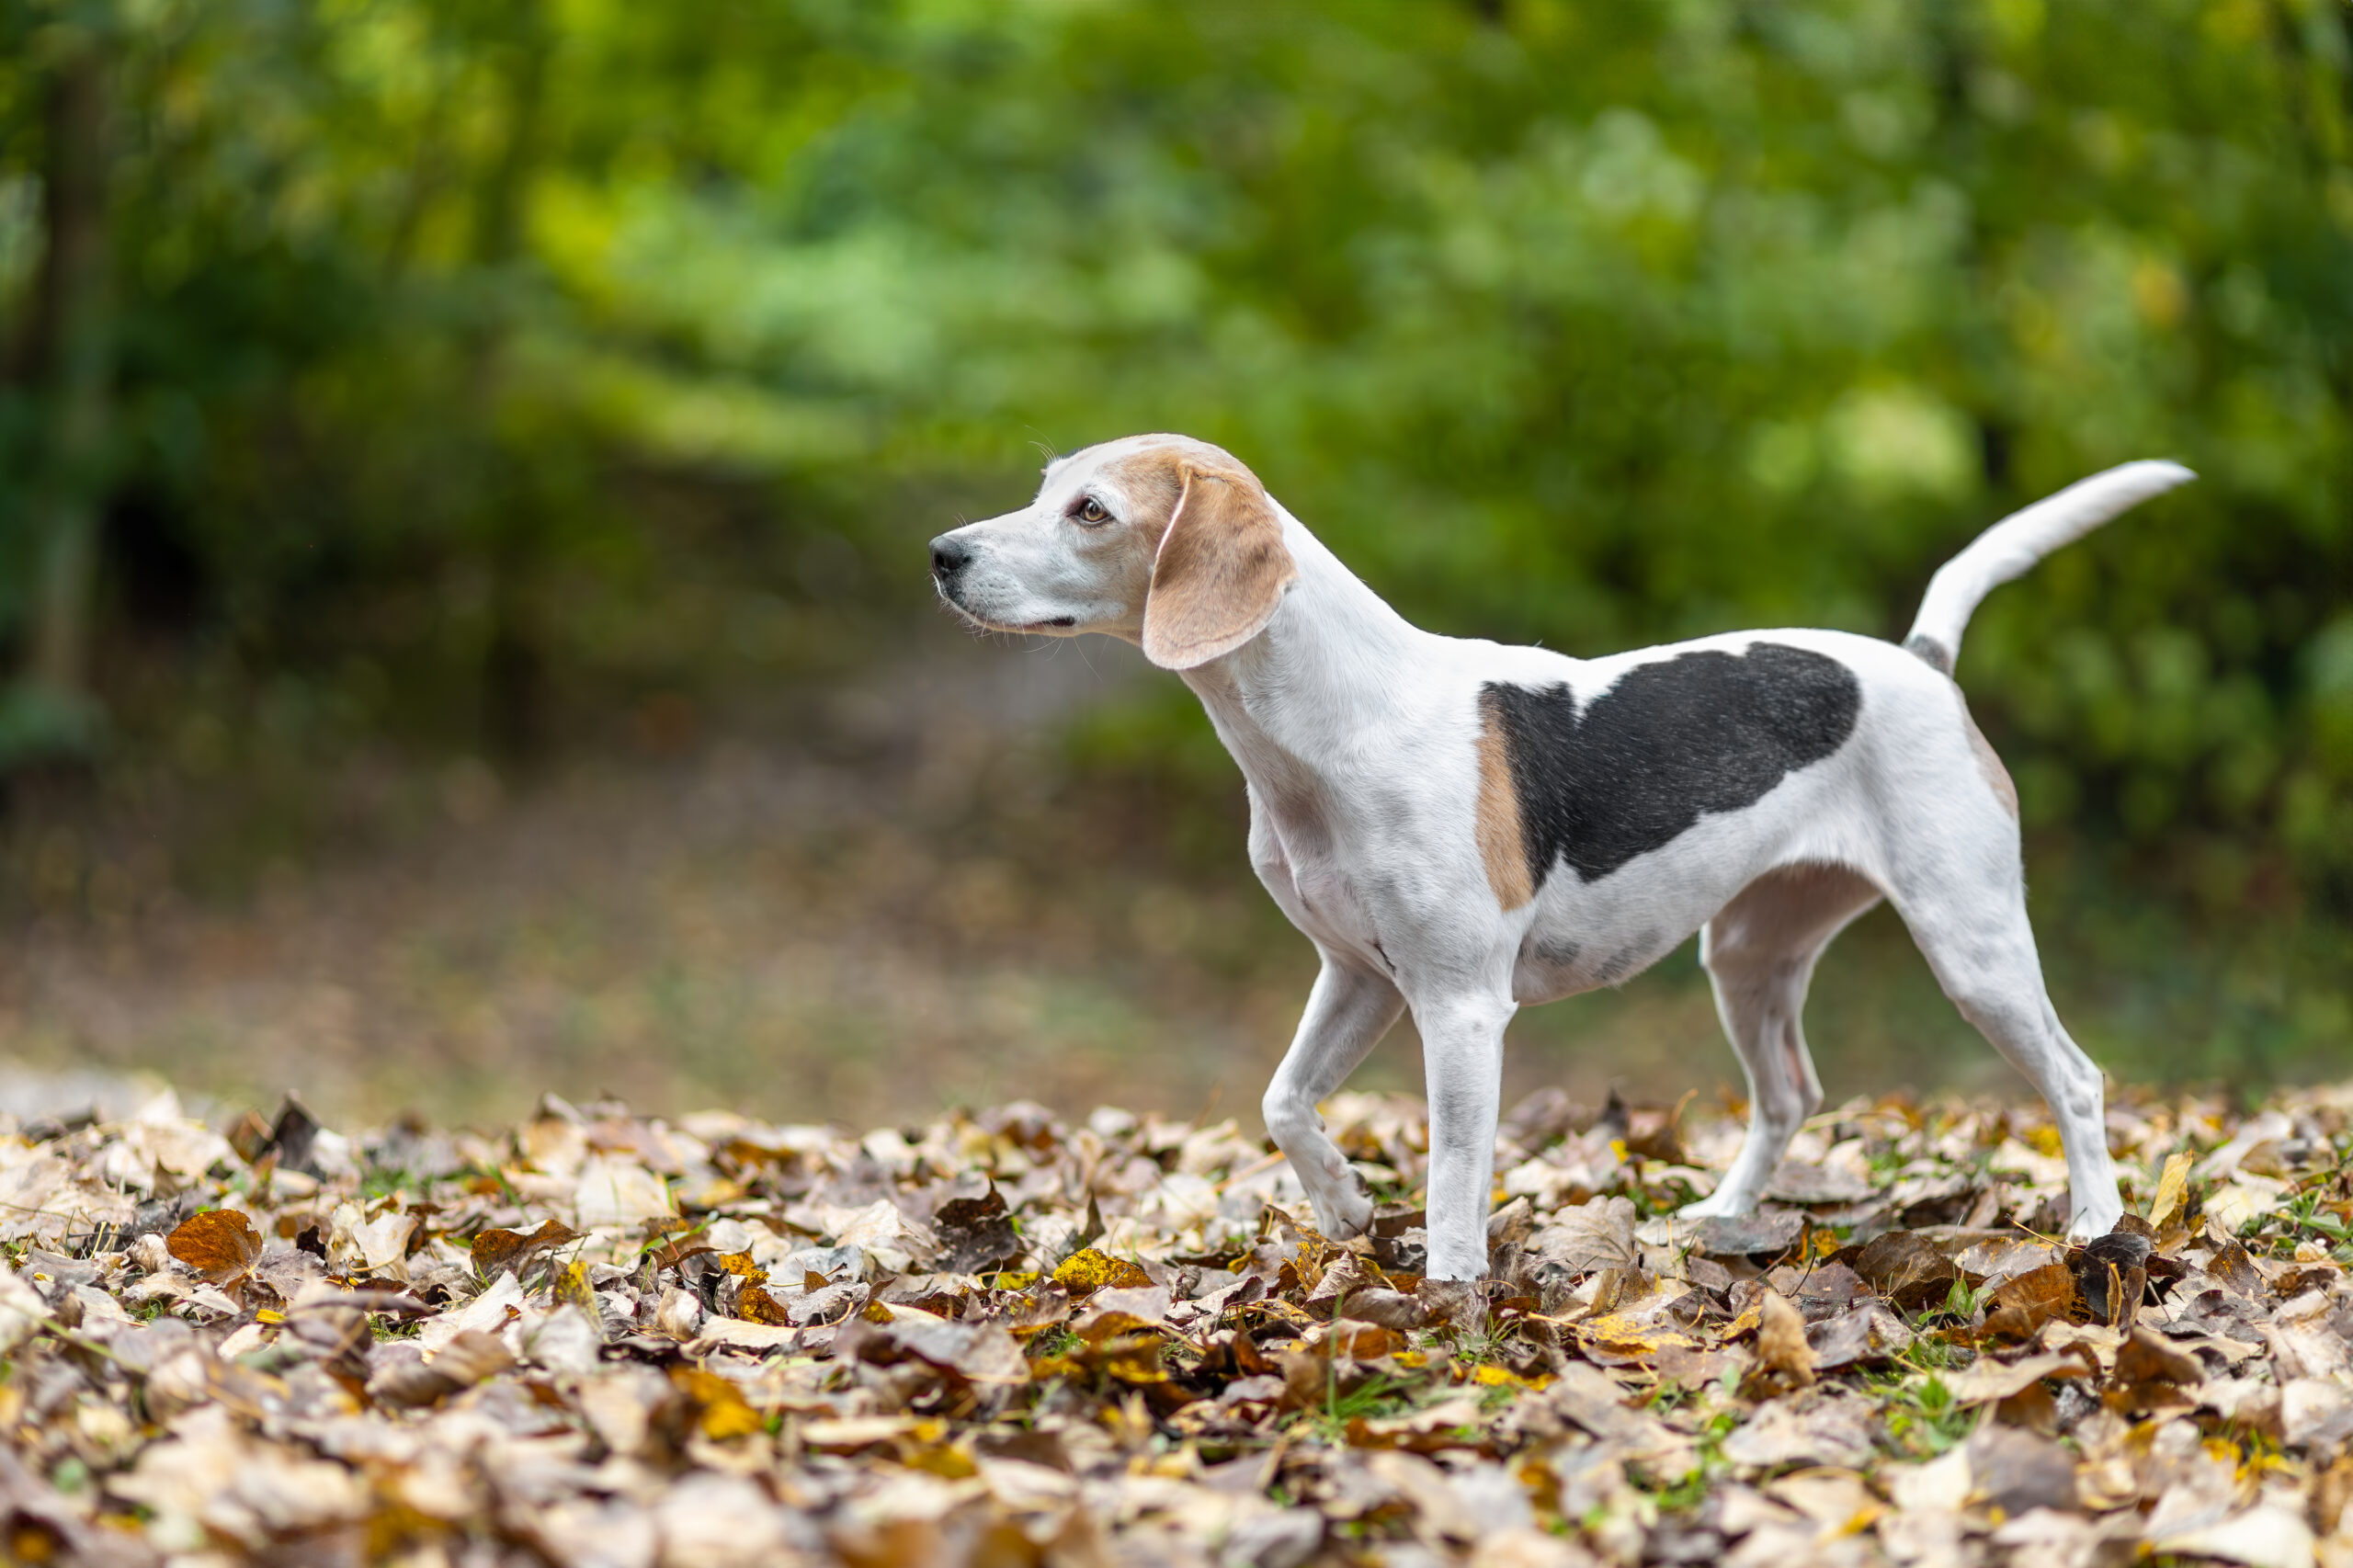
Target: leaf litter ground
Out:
[999,1338]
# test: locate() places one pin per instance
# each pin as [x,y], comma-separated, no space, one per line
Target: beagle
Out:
[1465,828]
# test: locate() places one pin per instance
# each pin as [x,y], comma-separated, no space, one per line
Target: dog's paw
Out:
[1344,1212]
[2095,1220]
[1720,1204]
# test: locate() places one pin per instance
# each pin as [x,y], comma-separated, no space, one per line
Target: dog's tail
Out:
[2021,540]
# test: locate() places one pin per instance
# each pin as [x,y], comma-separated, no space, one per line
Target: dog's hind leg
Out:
[1760,952]
[1974,934]
[1347,1013]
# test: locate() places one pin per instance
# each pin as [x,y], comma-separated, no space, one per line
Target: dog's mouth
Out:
[1056,623]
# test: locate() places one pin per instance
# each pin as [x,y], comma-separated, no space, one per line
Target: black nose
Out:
[949,555]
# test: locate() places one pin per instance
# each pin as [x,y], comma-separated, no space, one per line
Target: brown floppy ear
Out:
[1221,572]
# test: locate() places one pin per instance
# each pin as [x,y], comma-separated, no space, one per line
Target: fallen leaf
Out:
[2021,1305]
[755,1305]
[976,1234]
[1866,1332]
[2263,1537]
[1087,1270]
[1589,1237]
[220,1244]
[573,1289]
[1121,1311]
[977,1352]
[493,1250]
[1784,1360]
[2015,1469]
[1988,1381]
[1820,1428]
[2111,1272]
[1621,1339]
[1905,1268]
[721,1410]
[2146,1358]
[2315,1413]
[2173,1184]
[621,1193]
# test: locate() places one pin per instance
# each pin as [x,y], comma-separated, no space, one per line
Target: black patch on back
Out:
[1931,652]
[1672,741]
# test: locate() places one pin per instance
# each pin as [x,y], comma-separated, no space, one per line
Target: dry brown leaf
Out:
[1784,1360]
[1590,1237]
[497,1250]
[2112,1273]
[976,1234]
[220,1244]
[2021,1305]
[1906,1269]
[1988,1381]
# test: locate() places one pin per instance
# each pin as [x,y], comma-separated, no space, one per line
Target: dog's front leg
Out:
[1463,1058]
[1347,1013]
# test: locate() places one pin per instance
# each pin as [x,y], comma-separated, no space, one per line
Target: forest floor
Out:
[598,1338]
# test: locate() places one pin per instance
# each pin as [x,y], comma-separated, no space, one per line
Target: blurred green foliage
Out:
[463,356]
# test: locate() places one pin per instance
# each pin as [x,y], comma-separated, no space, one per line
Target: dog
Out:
[1465,827]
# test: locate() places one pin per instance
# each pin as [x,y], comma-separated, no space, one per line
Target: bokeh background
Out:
[464,472]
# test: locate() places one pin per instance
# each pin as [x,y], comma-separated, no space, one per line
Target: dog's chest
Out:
[1295,850]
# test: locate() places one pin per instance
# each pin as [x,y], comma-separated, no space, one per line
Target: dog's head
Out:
[1162,539]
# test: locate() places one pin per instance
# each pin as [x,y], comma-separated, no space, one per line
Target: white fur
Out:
[2026,535]
[1356,734]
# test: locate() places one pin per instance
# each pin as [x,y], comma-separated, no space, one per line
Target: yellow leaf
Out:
[740,1264]
[1018,1280]
[721,1409]
[755,1305]
[1625,1336]
[951,1461]
[572,1285]
[2171,1185]
[1087,1270]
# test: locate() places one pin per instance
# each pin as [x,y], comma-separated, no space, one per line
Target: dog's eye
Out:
[1091,511]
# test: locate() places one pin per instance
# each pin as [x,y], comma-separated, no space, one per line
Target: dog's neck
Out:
[1327,666]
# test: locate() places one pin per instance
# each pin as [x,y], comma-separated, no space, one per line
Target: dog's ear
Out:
[1219,573]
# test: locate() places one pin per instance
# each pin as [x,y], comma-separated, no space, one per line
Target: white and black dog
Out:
[1463,827]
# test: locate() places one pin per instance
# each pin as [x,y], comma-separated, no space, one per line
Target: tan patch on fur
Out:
[1155,480]
[1990,765]
[1221,569]
[1501,844]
